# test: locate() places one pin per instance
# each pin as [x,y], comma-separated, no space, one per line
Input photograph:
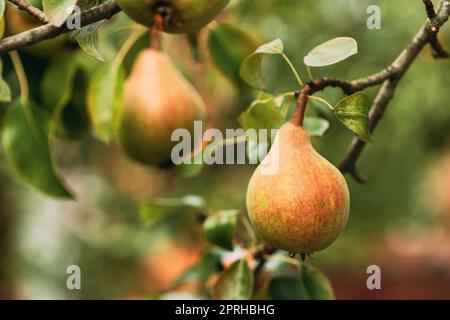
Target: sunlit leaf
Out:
[88,39]
[316,283]
[25,138]
[58,11]
[209,264]
[104,100]
[229,46]
[310,284]
[193,167]
[2,18]
[5,90]
[236,283]
[218,148]
[219,228]
[156,209]
[264,113]
[331,52]
[269,113]
[257,150]
[316,127]
[353,112]
[2,8]
[251,68]
[57,83]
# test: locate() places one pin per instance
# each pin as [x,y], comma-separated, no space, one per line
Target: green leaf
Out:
[25,138]
[251,68]
[209,264]
[229,46]
[219,228]
[311,284]
[194,168]
[5,90]
[316,283]
[2,25]
[220,145]
[236,283]
[2,8]
[88,39]
[287,288]
[2,18]
[267,112]
[194,45]
[58,11]
[58,82]
[264,113]
[316,127]
[104,100]
[332,52]
[156,209]
[353,112]
[257,150]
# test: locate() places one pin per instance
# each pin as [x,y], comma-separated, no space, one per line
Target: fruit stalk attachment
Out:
[311,88]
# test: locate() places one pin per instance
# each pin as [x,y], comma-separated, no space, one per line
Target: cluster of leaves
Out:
[105,86]
[268,111]
[245,68]
[227,270]
[29,128]
[271,110]
[75,87]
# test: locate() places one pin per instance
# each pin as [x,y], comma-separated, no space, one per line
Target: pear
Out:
[157,100]
[181,16]
[297,201]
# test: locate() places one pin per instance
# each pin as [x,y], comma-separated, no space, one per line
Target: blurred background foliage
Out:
[400,220]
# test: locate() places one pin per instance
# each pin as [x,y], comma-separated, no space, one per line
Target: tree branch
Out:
[384,96]
[48,31]
[389,77]
[387,91]
[429,7]
[32,10]
[438,50]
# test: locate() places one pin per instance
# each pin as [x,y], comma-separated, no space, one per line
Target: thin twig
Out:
[437,50]
[429,7]
[312,88]
[389,77]
[385,95]
[48,31]
[387,91]
[32,10]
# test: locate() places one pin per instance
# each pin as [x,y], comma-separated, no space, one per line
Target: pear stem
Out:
[312,88]
[155,32]
[300,112]
[155,39]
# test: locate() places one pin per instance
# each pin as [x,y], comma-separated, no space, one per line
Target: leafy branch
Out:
[389,78]
[32,10]
[49,31]
[389,84]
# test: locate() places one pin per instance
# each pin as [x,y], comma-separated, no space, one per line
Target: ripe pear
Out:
[182,16]
[157,100]
[297,200]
